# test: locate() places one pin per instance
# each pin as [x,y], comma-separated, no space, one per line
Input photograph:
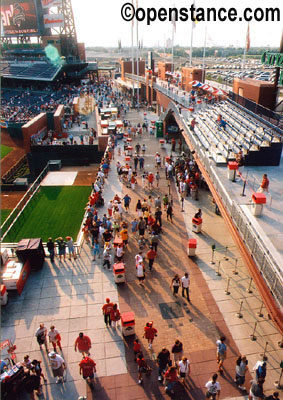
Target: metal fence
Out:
[266,264]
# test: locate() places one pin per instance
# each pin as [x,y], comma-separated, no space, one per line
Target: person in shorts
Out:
[221,353]
[184,369]
[140,272]
[87,370]
[57,365]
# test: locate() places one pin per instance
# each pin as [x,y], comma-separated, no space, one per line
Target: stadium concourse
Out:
[70,296]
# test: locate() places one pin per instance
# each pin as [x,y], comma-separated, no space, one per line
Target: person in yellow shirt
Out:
[124,236]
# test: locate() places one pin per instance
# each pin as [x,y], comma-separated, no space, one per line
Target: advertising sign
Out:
[51,3]
[53,20]
[19,17]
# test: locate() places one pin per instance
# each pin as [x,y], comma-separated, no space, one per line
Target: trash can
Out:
[162,143]
[127,158]
[128,323]
[4,295]
[258,199]
[158,128]
[119,272]
[192,245]
[196,225]
[117,241]
[232,168]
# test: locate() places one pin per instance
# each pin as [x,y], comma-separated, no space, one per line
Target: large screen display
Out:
[19,17]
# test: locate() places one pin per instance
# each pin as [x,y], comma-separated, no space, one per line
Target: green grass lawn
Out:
[5,150]
[54,211]
[4,215]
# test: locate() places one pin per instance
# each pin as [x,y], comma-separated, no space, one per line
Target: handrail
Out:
[23,202]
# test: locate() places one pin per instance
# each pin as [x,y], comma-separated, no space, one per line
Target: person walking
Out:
[54,338]
[221,353]
[213,388]
[83,344]
[127,200]
[157,202]
[150,333]
[140,272]
[175,284]
[107,258]
[185,286]
[139,208]
[106,310]
[241,369]
[169,212]
[51,249]
[58,366]
[134,226]
[177,351]
[38,370]
[264,184]
[141,227]
[163,360]
[158,214]
[41,334]
[96,250]
[154,239]
[151,256]
[115,315]
[256,390]
[87,369]
[260,370]
[184,369]
[171,378]
[142,367]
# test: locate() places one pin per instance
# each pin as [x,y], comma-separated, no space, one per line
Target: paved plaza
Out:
[70,296]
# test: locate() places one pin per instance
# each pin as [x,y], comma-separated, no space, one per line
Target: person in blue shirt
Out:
[127,201]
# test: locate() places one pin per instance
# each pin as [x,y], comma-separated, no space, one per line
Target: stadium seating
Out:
[33,71]
[261,143]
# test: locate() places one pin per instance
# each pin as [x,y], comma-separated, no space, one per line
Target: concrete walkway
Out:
[70,296]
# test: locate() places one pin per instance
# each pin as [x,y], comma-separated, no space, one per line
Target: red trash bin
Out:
[119,272]
[162,143]
[192,245]
[258,199]
[128,323]
[196,224]
[232,168]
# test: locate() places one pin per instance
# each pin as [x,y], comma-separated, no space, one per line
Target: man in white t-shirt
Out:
[185,285]
[213,388]
[139,257]
[57,365]
[184,368]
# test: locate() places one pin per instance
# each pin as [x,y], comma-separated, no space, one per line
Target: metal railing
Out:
[137,78]
[20,207]
[266,264]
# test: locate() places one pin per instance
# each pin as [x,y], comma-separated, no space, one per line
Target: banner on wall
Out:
[51,3]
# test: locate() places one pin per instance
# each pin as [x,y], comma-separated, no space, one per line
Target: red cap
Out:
[107,300]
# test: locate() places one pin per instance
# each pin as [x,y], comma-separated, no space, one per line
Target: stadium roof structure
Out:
[38,71]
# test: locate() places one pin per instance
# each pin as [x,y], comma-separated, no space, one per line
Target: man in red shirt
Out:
[171,377]
[106,309]
[150,179]
[87,369]
[151,255]
[83,344]
[150,333]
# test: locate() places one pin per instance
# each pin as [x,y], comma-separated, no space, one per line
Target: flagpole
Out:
[191,51]
[137,32]
[172,68]
[133,65]
[203,58]
[246,46]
